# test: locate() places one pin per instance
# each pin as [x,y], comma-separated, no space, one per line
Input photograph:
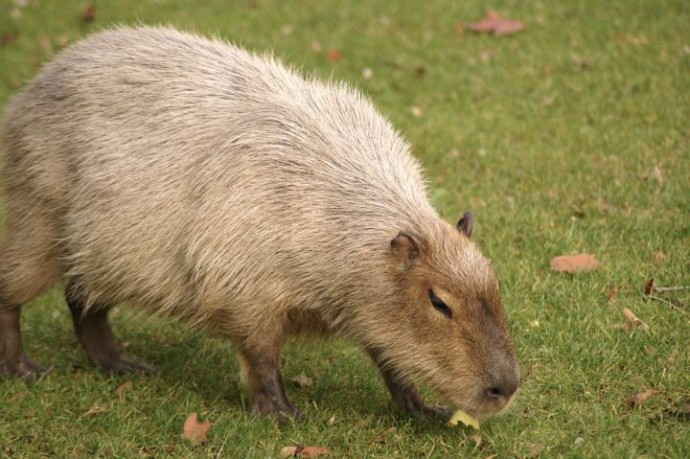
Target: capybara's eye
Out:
[439,304]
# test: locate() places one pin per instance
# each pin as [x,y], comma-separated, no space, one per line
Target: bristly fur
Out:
[192,178]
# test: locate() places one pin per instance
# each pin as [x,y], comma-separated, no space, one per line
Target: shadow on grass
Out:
[347,387]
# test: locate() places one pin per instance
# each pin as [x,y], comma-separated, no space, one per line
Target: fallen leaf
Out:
[638,399]
[303,380]
[492,22]
[315,47]
[289,451]
[124,387]
[313,451]
[464,418]
[613,294]
[89,13]
[658,257]
[574,263]
[649,287]
[635,40]
[333,55]
[486,55]
[8,37]
[195,431]
[634,321]
[535,450]
[304,451]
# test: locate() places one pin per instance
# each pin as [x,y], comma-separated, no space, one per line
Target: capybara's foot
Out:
[123,364]
[21,367]
[93,330]
[262,404]
[13,359]
[261,373]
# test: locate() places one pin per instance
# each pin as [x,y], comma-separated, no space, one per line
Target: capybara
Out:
[188,177]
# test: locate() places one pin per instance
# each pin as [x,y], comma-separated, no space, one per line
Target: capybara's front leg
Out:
[403,392]
[13,359]
[93,330]
[261,373]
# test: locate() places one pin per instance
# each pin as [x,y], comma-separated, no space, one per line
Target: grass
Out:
[549,136]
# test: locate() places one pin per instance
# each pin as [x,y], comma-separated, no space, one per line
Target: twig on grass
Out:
[670,289]
[670,303]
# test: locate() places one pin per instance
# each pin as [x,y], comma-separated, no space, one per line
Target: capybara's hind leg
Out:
[28,267]
[13,360]
[93,330]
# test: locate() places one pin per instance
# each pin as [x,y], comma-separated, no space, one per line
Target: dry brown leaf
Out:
[8,37]
[333,55]
[613,294]
[492,22]
[658,257]
[289,451]
[304,451]
[124,387]
[303,380]
[649,287]
[634,321]
[194,430]
[313,451]
[574,263]
[638,399]
[89,13]
[635,40]
[535,450]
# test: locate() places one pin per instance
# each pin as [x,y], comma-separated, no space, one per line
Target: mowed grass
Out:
[550,136]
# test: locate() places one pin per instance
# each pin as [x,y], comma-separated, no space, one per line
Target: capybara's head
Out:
[448,329]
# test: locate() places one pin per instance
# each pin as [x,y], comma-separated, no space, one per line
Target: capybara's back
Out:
[192,178]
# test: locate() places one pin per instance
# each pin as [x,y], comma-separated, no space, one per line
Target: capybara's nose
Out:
[504,390]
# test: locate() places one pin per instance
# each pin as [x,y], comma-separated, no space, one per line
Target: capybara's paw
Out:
[282,410]
[126,365]
[21,367]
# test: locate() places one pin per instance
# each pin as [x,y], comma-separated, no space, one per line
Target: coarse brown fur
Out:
[191,178]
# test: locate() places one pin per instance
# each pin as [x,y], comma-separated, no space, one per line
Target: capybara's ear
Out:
[465,224]
[406,248]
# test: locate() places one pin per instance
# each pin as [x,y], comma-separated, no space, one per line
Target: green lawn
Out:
[550,136]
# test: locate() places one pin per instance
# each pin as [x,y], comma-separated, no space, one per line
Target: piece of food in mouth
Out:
[466,419]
